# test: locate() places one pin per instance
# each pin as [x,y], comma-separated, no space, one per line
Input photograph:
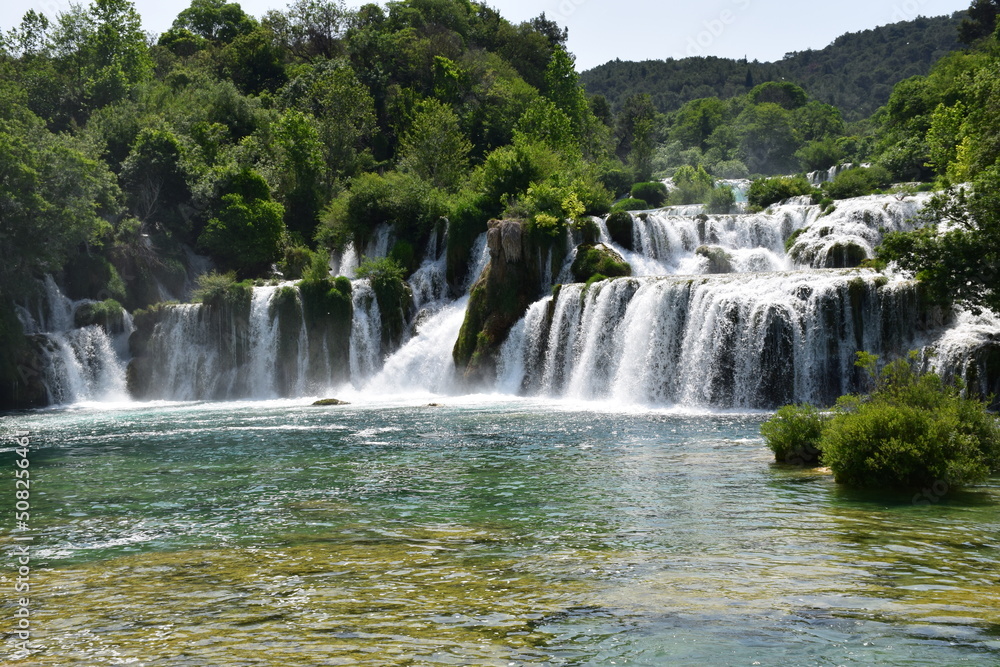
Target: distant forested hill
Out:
[855,73]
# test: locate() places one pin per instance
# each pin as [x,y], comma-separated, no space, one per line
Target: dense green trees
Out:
[855,73]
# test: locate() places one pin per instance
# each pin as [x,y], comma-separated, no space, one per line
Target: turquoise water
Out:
[487,531]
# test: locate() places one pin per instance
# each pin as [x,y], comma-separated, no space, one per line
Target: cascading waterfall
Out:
[768,327]
[78,363]
[366,333]
[748,341]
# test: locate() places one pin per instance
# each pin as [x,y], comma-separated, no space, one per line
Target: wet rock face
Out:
[498,300]
[719,260]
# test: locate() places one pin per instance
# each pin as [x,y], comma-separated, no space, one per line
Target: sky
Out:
[602,30]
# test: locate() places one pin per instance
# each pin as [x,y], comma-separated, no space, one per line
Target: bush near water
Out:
[912,430]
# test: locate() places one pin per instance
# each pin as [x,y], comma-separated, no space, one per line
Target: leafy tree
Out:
[562,86]
[215,20]
[980,21]
[312,29]
[768,138]
[544,123]
[435,148]
[245,229]
[54,198]
[344,108]
[961,263]
[254,61]
[154,181]
[785,94]
[113,51]
[299,170]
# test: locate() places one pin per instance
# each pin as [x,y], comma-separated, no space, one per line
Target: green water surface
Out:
[484,532]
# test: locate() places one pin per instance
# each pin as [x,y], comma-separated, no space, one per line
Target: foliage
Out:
[693,185]
[793,434]
[653,193]
[720,200]
[857,182]
[246,228]
[855,73]
[435,148]
[958,262]
[629,204]
[405,201]
[55,196]
[592,260]
[766,191]
[912,430]
[219,288]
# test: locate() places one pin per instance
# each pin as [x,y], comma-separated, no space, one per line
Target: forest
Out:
[855,73]
[261,144]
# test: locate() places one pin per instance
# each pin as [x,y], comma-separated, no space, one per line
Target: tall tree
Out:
[435,148]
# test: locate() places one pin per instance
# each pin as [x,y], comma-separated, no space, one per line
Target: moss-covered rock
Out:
[620,229]
[719,260]
[91,276]
[498,300]
[107,314]
[598,259]
[330,401]
[844,255]
[21,370]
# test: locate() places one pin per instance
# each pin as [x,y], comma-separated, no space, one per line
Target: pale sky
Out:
[602,30]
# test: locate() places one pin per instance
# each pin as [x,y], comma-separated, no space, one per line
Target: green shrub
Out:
[629,204]
[793,434]
[295,262]
[615,178]
[693,186]
[858,182]
[591,260]
[912,431]
[766,191]
[653,193]
[218,289]
[721,200]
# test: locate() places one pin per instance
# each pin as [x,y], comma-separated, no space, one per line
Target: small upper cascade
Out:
[664,242]
[346,263]
[429,283]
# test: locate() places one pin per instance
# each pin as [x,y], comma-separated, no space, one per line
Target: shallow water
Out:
[489,531]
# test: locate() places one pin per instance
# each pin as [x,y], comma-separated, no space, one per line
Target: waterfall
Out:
[78,363]
[747,341]
[346,262]
[429,282]
[366,333]
[478,259]
[424,364]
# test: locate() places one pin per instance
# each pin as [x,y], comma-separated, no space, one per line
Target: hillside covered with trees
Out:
[855,73]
